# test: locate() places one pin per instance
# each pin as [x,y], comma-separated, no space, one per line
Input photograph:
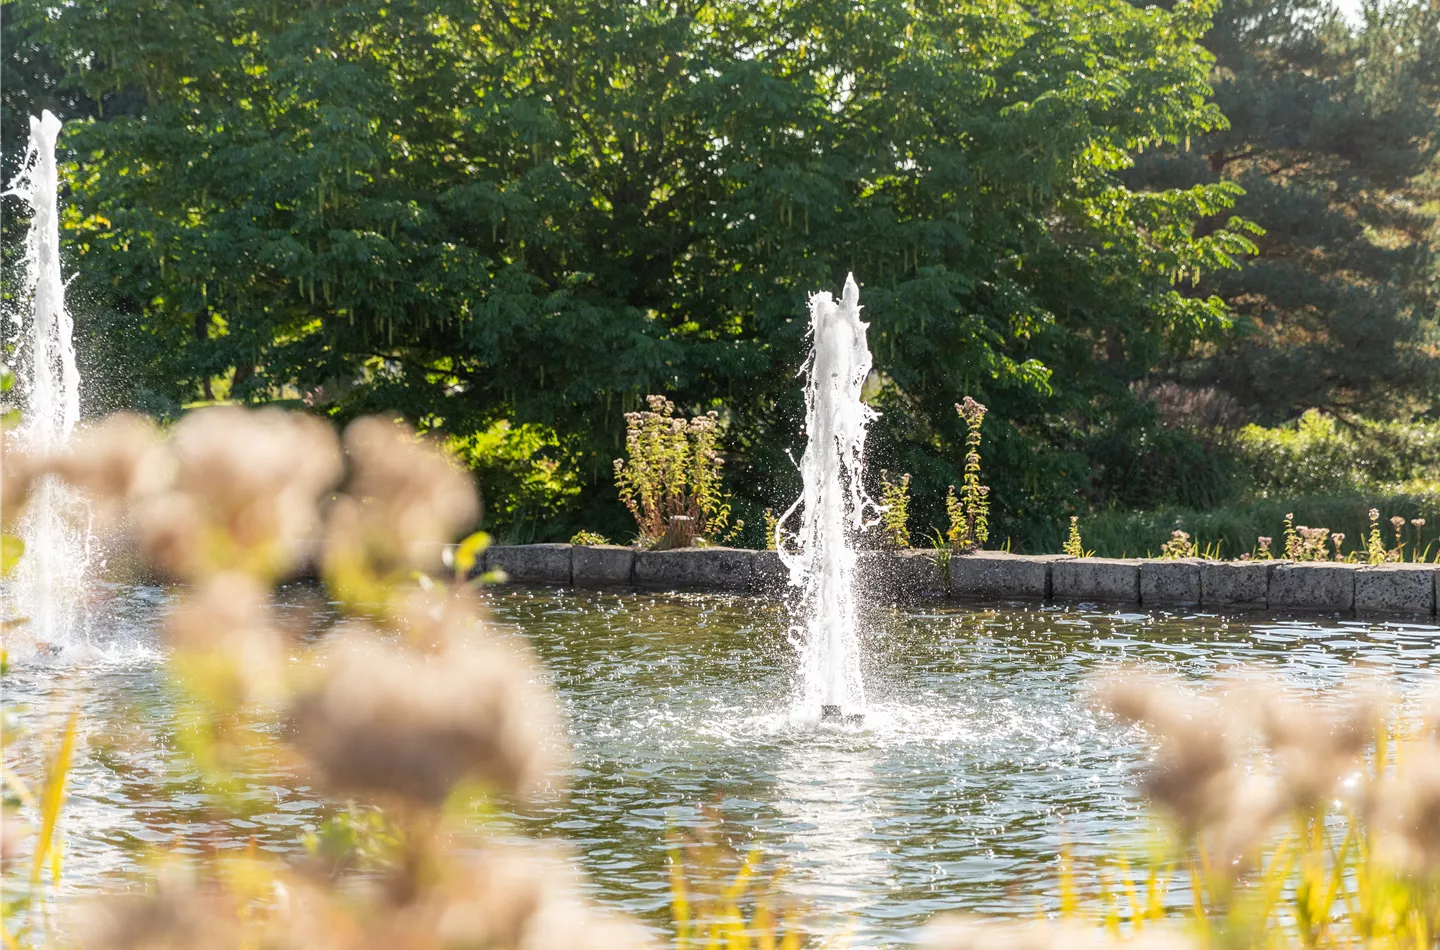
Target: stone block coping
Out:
[1313,586]
[998,575]
[1096,579]
[1411,589]
[1170,583]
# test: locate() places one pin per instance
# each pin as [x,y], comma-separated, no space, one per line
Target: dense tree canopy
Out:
[535,213]
[542,212]
[1332,132]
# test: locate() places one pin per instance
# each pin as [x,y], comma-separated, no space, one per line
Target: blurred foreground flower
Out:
[387,721]
[405,500]
[963,932]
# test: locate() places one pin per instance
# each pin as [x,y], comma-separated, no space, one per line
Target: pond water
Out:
[978,759]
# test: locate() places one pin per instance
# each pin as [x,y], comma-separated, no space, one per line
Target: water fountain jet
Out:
[48,384]
[820,555]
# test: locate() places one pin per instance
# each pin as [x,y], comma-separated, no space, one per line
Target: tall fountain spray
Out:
[820,555]
[48,384]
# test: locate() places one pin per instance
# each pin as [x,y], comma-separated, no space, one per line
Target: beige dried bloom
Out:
[526,899]
[1397,522]
[1313,747]
[1193,771]
[1418,522]
[965,932]
[406,500]
[1403,814]
[387,721]
[17,481]
[1243,819]
[116,459]
[504,898]
[436,618]
[245,493]
[221,630]
[174,916]
[1374,514]
[13,833]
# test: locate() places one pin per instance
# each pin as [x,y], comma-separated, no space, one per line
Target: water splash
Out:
[820,555]
[48,383]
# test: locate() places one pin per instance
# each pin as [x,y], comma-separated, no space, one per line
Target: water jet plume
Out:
[47,384]
[820,553]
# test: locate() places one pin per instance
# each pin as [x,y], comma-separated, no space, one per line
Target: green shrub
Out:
[894,511]
[1319,455]
[673,473]
[526,477]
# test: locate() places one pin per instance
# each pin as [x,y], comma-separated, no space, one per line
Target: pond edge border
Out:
[909,575]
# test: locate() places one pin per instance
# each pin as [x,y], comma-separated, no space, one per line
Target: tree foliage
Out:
[539,212]
[1332,131]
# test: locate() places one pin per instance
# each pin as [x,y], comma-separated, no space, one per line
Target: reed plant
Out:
[1285,822]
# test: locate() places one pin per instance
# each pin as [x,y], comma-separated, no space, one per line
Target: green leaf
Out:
[467,553]
[11,550]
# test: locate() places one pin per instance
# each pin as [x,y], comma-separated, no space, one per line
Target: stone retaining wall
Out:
[992,575]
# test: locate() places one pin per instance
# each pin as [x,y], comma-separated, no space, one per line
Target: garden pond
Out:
[978,760]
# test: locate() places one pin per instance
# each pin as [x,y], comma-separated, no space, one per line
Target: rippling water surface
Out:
[978,758]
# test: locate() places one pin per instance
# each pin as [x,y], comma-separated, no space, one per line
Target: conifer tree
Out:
[1332,128]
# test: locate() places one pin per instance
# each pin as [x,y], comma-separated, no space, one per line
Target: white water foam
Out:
[820,554]
[49,583]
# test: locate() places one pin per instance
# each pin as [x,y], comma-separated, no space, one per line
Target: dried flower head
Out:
[1374,514]
[964,932]
[1418,522]
[387,721]
[971,411]
[17,481]
[175,915]
[1398,523]
[13,834]
[406,499]
[1403,815]
[245,492]
[221,631]
[1314,745]
[1194,769]
[1265,542]
[117,459]
[503,898]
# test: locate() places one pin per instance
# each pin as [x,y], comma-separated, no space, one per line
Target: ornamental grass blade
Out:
[53,797]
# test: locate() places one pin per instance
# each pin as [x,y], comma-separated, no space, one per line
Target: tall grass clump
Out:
[670,481]
[1286,822]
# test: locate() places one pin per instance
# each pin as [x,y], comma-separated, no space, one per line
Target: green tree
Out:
[538,212]
[1332,129]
